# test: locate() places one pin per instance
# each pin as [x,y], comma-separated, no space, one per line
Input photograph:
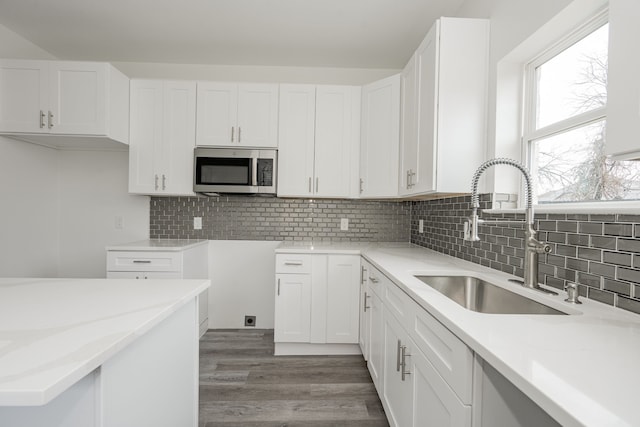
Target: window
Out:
[565,123]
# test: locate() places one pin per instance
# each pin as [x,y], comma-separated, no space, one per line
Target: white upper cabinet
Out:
[318,144]
[162,137]
[296,139]
[623,83]
[237,115]
[63,98]
[380,138]
[443,122]
[408,128]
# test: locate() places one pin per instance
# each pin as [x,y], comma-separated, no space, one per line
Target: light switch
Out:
[344,224]
[197,223]
[421,226]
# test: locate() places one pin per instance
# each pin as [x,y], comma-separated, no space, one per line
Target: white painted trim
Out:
[305,349]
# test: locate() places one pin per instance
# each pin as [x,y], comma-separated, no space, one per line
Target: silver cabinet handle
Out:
[404,355]
[42,116]
[374,279]
[398,356]
[164,182]
[365,302]
[408,179]
[232,129]
[142,261]
[50,119]
[413,175]
[278,287]
[362,274]
[309,184]
[254,170]
[317,179]
[361,184]
[239,134]
[156,182]
[293,263]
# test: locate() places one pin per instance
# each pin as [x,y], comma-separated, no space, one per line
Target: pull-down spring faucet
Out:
[532,245]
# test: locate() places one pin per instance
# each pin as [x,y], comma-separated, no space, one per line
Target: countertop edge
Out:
[42,397]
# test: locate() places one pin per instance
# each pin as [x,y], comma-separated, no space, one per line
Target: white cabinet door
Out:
[237,115]
[408,128]
[178,137]
[396,391]
[217,113]
[433,403]
[296,140]
[423,177]
[334,140]
[162,137]
[376,340]
[258,115]
[365,311]
[380,138]
[24,96]
[623,85]
[145,135]
[78,98]
[293,308]
[343,296]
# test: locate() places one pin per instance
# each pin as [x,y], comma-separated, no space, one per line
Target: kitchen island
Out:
[97,352]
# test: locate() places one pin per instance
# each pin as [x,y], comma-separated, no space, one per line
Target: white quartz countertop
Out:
[158,245]
[53,332]
[581,368]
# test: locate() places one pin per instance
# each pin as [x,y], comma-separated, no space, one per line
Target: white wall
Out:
[28,210]
[262,74]
[28,191]
[512,23]
[93,191]
[242,277]
[58,208]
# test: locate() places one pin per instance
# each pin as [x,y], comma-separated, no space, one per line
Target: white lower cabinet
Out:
[293,308]
[139,260]
[422,372]
[317,304]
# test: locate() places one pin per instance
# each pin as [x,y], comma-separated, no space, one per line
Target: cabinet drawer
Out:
[293,263]
[144,261]
[376,280]
[450,357]
[397,302]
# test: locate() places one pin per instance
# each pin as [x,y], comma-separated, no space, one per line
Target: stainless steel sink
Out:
[477,295]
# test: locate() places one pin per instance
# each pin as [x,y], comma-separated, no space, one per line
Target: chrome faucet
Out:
[532,245]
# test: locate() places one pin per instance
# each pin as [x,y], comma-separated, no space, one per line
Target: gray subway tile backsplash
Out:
[601,252]
[271,218]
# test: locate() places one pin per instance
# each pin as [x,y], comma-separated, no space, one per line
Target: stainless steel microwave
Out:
[235,170]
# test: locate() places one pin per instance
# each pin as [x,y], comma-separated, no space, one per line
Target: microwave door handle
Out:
[254,171]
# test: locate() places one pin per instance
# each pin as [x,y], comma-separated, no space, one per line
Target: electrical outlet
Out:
[197,223]
[344,224]
[118,222]
[421,226]
[250,321]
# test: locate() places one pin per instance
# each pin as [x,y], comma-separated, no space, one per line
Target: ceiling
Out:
[314,33]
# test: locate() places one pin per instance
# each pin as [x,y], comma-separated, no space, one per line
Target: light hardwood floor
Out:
[243,384]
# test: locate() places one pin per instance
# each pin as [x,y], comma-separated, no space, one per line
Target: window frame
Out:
[529,112]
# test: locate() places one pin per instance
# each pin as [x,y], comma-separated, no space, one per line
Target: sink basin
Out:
[477,295]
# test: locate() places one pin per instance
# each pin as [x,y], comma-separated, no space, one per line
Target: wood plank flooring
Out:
[243,384]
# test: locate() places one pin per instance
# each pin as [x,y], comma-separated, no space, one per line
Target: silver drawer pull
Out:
[293,263]
[374,279]
[142,261]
